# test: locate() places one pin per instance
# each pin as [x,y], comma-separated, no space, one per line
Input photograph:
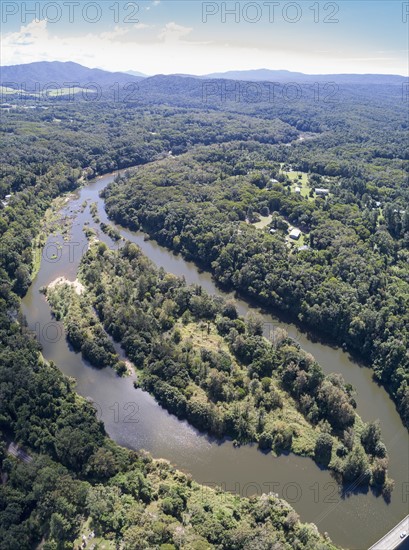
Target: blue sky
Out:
[166,36]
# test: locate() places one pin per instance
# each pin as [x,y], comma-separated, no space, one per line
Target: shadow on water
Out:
[300,333]
[355,520]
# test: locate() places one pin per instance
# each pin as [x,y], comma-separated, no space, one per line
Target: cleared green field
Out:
[264,221]
[43,94]
[66,91]
[298,179]
[4,90]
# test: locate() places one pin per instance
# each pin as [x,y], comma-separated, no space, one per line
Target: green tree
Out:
[323,448]
[356,468]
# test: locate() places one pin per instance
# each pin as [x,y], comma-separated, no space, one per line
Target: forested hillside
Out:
[348,283]
[211,161]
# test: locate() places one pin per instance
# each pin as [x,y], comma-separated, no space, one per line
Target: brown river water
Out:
[133,418]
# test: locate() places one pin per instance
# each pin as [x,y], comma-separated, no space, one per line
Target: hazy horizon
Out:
[198,38]
[259,69]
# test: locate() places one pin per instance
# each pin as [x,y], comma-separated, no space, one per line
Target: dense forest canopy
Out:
[205,363]
[212,158]
[349,282]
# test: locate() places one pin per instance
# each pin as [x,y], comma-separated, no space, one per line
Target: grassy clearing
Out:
[298,179]
[99,542]
[56,92]
[205,336]
[5,90]
[66,91]
[264,222]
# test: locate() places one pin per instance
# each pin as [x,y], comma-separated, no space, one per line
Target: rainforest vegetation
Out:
[212,159]
[205,363]
[349,282]
[77,481]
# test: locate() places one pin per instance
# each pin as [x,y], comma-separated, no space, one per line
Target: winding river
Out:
[133,418]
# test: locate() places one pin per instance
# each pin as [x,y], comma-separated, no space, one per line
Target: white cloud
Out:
[30,34]
[174,50]
[116,33]
[172,32]
[142,26]
[154,4]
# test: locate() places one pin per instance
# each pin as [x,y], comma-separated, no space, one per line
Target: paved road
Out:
[392,539]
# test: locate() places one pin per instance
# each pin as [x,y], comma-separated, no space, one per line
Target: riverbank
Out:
[219,372]
[355,519]
[76,285]
[336,298]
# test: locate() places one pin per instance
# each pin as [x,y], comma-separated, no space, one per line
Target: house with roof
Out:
[295,234]
[321,192]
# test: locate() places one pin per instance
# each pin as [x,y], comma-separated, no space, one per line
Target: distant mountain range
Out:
[268,75]
[136,73]
[44,72]
[60,73]
[178,89]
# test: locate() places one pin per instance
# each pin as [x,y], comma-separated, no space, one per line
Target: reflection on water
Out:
[135,420]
